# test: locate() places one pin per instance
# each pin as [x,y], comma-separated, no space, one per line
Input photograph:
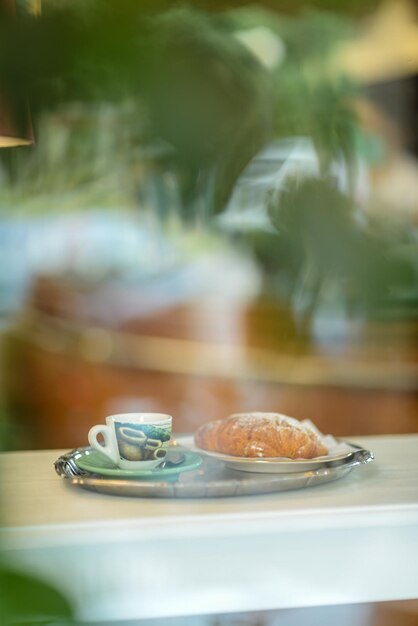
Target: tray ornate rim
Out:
[211,480]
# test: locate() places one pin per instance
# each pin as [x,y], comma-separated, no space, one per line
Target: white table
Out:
[350,541]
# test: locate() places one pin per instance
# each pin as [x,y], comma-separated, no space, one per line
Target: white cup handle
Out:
[109,448]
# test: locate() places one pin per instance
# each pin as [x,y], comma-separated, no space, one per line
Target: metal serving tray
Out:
[212,479]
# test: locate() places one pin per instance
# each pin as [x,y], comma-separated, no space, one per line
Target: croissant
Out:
[260,435]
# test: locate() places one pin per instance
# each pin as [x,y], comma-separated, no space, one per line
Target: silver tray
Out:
[211,480]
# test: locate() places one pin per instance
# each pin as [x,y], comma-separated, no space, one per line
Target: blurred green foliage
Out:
[205,94]
[109,80]
[106,80]
[187,79]
[210,99]
[325,246]
[27,601]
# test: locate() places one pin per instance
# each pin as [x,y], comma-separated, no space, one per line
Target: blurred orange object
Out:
[71,362]
[396,613]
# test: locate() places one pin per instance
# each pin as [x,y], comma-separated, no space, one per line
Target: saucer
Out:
[95,463]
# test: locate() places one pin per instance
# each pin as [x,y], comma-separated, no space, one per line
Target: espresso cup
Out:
[133,440]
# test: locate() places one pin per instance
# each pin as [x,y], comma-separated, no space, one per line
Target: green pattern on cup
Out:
[142,442]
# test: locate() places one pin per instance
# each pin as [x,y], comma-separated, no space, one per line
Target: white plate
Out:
[338,452]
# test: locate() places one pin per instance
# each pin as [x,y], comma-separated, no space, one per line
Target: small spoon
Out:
[172,458]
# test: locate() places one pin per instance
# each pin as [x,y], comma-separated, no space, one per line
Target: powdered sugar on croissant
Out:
[260,435]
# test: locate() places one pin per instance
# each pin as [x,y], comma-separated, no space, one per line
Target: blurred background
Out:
[207,209]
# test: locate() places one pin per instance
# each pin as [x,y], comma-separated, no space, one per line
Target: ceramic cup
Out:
[133,440]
